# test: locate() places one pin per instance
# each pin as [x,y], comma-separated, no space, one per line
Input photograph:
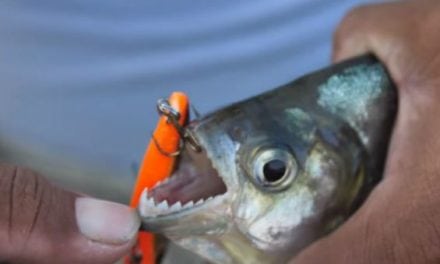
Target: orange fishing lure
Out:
[156,166]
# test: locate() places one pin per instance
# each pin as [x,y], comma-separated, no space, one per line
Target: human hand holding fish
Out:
[400,221]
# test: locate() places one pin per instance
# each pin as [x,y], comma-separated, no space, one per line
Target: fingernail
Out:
[106,222]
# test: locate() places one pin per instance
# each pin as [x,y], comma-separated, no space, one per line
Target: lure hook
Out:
[164,108]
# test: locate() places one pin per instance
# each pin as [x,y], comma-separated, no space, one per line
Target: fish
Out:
[280,170]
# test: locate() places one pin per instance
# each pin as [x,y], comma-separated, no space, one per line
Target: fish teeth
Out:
[145,197]
[167,179]
[150,202]
[163,206]
[147,206]
[176,207]
[188,205]
[157,184]
[144,194]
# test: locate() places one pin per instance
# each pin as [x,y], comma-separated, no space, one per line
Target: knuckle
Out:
[348,27]
[358,11]
[350,21]
[22,198]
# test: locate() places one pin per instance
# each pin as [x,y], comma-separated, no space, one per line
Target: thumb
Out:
[41,223]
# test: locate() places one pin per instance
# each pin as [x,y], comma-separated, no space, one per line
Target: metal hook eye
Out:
[164,108]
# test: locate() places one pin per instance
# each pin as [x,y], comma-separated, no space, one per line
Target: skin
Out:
[38,223]
[400,222]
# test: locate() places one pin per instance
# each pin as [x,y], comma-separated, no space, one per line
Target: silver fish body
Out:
[295,162]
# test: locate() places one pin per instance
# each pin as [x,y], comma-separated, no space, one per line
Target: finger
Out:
[40,223]
[371,28]
[375,29]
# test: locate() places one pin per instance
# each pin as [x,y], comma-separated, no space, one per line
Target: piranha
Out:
[280,170]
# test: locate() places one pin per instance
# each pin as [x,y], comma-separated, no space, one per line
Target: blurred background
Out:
[79,79]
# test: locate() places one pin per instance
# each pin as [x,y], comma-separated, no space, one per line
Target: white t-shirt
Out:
[79,79]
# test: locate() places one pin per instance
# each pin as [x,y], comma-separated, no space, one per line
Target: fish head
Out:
[276,171]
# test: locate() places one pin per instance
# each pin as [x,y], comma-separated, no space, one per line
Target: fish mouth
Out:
[194,184]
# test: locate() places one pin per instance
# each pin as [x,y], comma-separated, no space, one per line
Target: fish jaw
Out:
[210,216]
[177,208]
[206,228]
[193,200]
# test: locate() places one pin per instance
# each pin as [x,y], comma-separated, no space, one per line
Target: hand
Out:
[400,221]
[40,223]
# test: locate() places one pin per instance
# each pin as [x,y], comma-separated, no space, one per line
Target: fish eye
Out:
[273,168]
